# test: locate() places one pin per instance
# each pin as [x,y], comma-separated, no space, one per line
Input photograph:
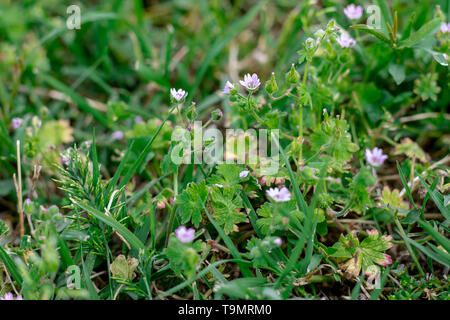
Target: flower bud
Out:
[191,112]
[271,84]
[44,112]
[292,76]
[28,206]
[216,115]
[310,43]
[331,27]
[36,122]
[319,34]
[53,211]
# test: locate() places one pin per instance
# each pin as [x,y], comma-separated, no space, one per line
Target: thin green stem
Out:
[172,214]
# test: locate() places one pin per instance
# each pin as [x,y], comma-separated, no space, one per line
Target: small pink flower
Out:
[160,205]
[117,135]
[179,95]
[345,41]
[244,174]
[353,12]
[279,195]
[86,144]
[278,241]
[372,231]
[228,87]
[375,157]
[185,235]
[16,122]
[251,82]
[445,27]
[9,296]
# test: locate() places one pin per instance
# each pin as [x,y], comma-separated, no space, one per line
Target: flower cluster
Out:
[250,82]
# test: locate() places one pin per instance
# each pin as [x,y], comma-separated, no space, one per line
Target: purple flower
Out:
[185,235]
[251,82]
[244,174]
[138,119]
[65,159]
[353,12]
[117,135]
[228,87]
[345,41]
[445,27]
[279,195]
[375,157]
[179,95]
[278,241]
[16,122]
[9,296]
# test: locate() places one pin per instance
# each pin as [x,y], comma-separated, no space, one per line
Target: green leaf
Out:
[124,268]
[227,174]
[216,48]
[183,258]
[132,240]
[361,255]
[437,198]
[442,240]
[230,245]
[437,255]
[373,32]
[10,266]
[77,99]
[428,28]
[397,72]
[191,202]
[198,276]
[227,204]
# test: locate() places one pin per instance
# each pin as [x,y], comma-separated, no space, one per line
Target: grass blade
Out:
[10,265]
[229,243]
[132,240]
